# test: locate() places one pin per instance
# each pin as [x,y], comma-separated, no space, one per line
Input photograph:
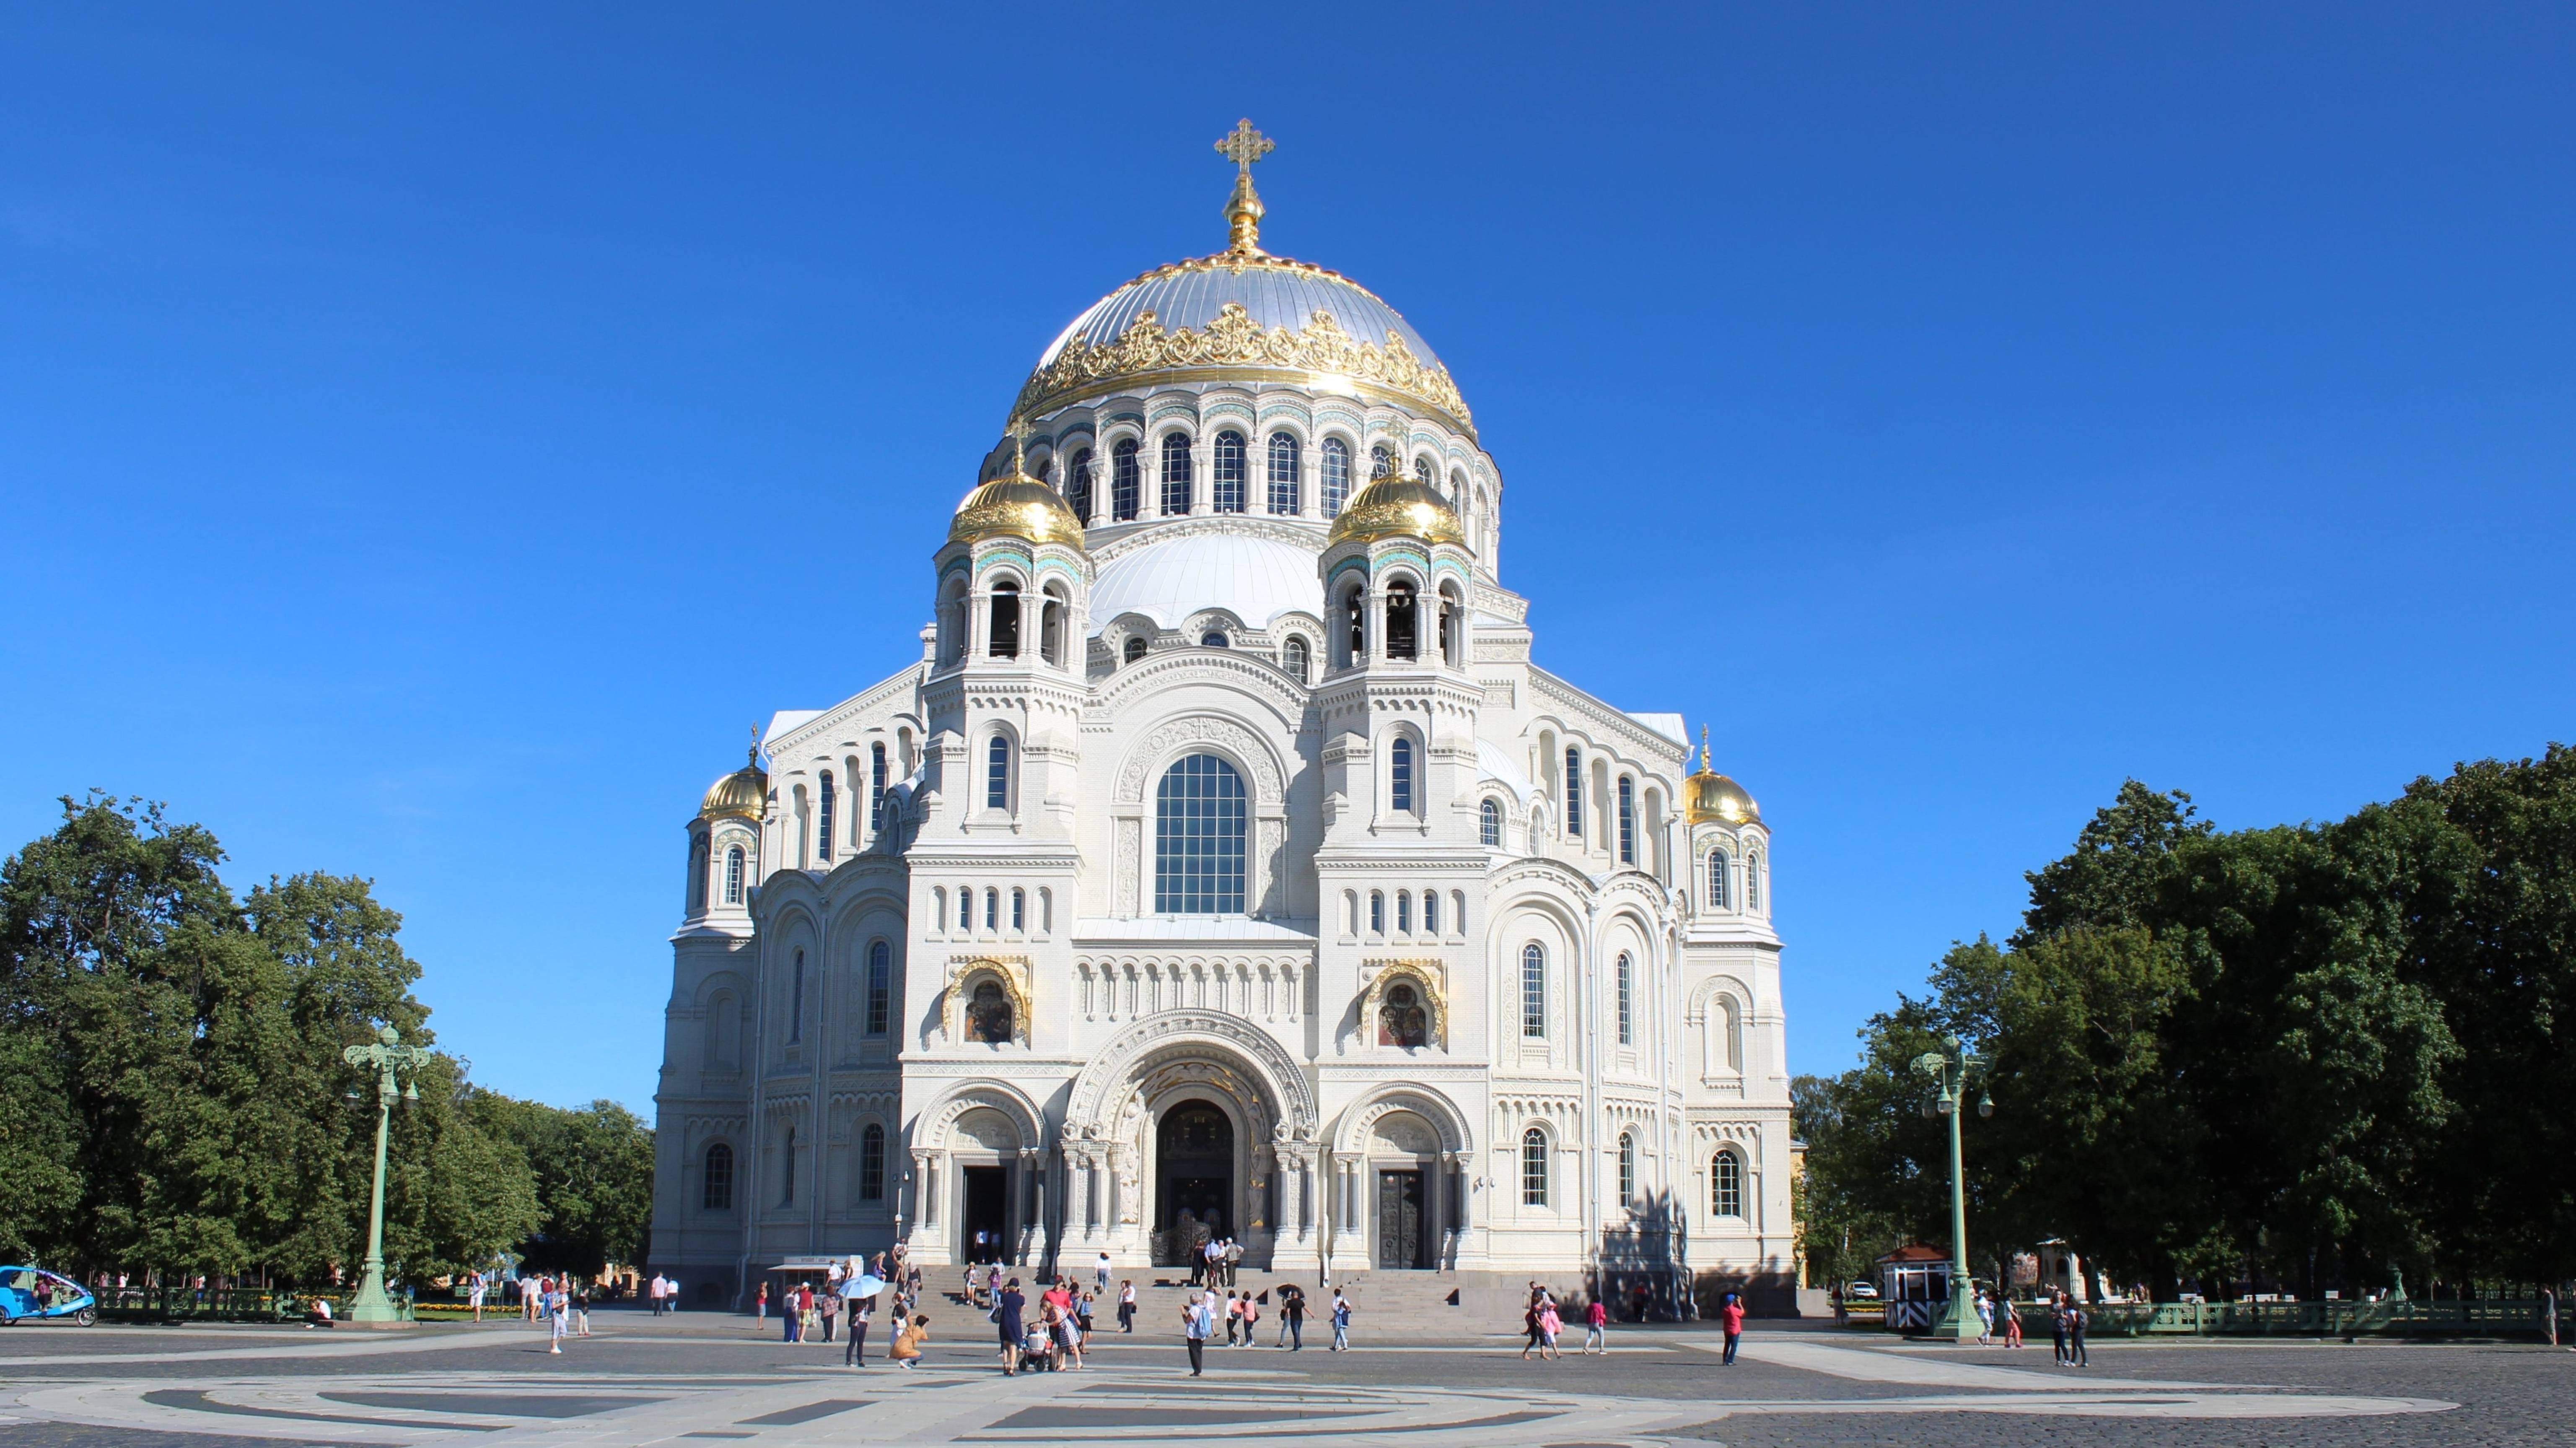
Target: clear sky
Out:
[430,435]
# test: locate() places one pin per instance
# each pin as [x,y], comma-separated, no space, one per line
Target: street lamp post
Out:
[395,1065]
[1950,1069]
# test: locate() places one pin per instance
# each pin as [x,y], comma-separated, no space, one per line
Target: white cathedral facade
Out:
[1226,864]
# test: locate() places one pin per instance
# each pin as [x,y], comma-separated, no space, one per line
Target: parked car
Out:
[1862,1290]
[34,1292]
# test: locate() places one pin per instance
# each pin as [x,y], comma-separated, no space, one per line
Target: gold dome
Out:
[1712,796]
[1015,507]
[1395,505]
[743,793]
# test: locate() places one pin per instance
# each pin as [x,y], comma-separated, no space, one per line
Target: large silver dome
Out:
[1273,291]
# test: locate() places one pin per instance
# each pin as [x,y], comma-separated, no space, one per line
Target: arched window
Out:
[733,876]
[787,1171]
[992,909]
[1124,482]
[1051,628]
[965,908]
[1403,631]
[1726,1184]
[997,773]
[717,1193]
[1533,991]
[1176,473]
[1399,775]
[872,1163]
[1627,820]
[1401,1020]
[1381,461]
[1752,882]
[796,1003]
[1355,623]
[1292,657]
[1377,912]
[823,817]
[697,876]
[876,785]
[1283,474]
[1404,912]
[1199,811]
[1337,476]
[1135,648]
[1574,793]
[1004,634]
[988,1014]
[1627,1169]
[1423,474]
[1533,1168]
[1489,825]
[1226,484]
[1627,1000]
[1077,486]
[1019,909]
[1430,912]
[880,987]
[1717,879]
[1213,639]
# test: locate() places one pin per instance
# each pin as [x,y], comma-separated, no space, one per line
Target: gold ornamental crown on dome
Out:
[1712,797]
[1018,506]
[743,794]
[1395,504]
[1318,353]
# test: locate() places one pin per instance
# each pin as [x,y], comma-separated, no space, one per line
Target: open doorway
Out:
[986,1219]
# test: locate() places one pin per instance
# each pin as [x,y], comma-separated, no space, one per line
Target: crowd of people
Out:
[845,1303]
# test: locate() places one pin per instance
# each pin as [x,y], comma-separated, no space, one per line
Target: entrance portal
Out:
[1194,1180]
[1401,1242]
[985,1218]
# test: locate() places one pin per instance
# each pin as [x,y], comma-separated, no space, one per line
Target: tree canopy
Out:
[173,1098]
[2296,1055]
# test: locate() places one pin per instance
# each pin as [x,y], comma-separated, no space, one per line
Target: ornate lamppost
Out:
[396,1066]
[1950,1069]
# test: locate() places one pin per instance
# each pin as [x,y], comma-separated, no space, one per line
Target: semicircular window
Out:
[1199,812]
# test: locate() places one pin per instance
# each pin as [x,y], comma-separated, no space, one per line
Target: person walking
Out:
[1251,1314]
[1529,1324]
[860,1310]
[1341,1322]
[2057,1325]
[1100,1273]
[1127,1304]
[1007,1307]
[477,1295]
[1596,1327]
[559,1314]
[827,1307]
[1197,1321]
[1730,1319]
[2075,1336]
[908,1339]
[2012,1322]
[1068,1332]
[1985,1319]
[1550,1324]
[760,1305]
[581,1310]
[1292,1317]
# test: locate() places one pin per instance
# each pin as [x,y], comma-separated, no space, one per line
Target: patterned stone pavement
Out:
[691,1382]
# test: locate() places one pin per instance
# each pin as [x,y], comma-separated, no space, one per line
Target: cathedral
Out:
[1226,866]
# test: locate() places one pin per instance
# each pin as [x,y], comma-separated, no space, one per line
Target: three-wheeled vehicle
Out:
[34,1292]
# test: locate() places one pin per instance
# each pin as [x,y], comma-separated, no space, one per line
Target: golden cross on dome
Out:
[1243,210]
[1244,145]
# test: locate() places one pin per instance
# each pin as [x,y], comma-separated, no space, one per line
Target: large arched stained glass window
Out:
[1226,483]
[1533,990]
[1124,482]
[1726,1185]
[1533,1168]
[1199,811]
[1176,473]
[1283,474]
[872,1163]
[1337,476]
[718,1179]
[1627,1169]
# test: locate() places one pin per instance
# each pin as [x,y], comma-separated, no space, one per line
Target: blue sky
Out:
[429,436]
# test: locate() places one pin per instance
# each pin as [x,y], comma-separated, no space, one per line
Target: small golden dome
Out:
[743,793]
[1712,796]
[1395,505]
[1015,507]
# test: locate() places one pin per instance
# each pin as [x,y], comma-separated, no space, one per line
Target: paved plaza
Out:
[694,1379]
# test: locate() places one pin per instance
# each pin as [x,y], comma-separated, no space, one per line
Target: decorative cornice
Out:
[1232,341]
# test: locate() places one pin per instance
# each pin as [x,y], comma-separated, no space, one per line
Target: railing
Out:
[2499,1318]
[219,1304]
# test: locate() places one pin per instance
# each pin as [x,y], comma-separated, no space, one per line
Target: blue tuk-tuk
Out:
[34,1292]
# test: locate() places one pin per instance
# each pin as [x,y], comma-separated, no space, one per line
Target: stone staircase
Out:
[1383,1304]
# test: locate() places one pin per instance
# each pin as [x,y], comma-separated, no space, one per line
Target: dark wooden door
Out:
[1400,1240]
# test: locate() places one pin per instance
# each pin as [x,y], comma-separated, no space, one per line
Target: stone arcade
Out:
[1226,864]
